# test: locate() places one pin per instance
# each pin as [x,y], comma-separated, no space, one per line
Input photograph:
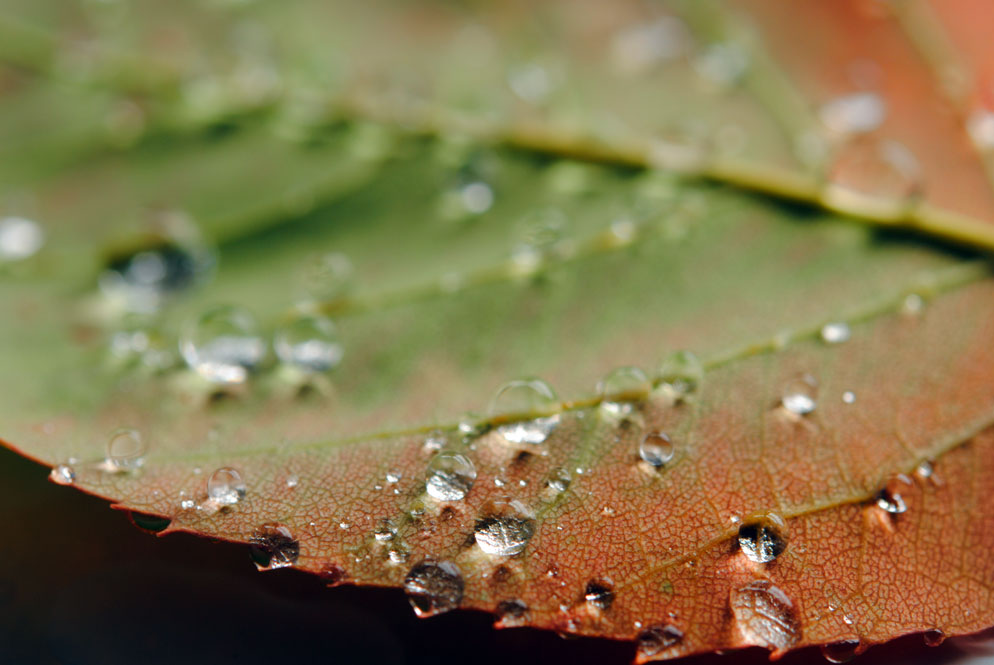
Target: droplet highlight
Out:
[309,343]
[836,332]
[225,486]
[800,395]
[450,476]
[20,238]
[223,345]
[62,474]
[680,375]
[890,497]
[656,449]
[505,530]
[620,388]
[434,587]
[531,406]
[125,451]
[764,539]
[599,594]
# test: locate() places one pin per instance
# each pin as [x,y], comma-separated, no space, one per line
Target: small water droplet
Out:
[980,125]
[559,480]
[225,486]
[912,305]
[682,147]
[658,638]
[836,332]
[840,652]
[505,530]
[934,637]
[890,499]
[620,388]
[764,539]
[637,48]
[765,615]
[881,179]
[273,546]
[398,555]
[384,531]
[538,234]
[521,402]
[476,197]
[722,64]
[223,345]
[62,474]
[187,504]
[125,451]
[924,470]
[599,594]
[292,481]
[680,375]
[309,343]
[394,477]
[849,397]
[855,113]
[800,395]
[531,82]
[434,442]
[656,449]
[20,238]
[434,587]
[450,476]
[512,613]
[327,277]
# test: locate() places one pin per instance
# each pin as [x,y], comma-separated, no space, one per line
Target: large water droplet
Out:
[890,499]
[225,486]
[450,476]
[62,474]
[505,530]
[273,546]
[880,179]
[599,594]
[656,449]
[309,343]
[856,113]
[434,587]
[525,402]
[125,450]
[327,277]
[840,652]
[765,615]
[537,236]
[658,638]
[763,540]
[620,388]
[680,375]
[800,395]
[223,345]
[934,637]
[20,238]
[836,332]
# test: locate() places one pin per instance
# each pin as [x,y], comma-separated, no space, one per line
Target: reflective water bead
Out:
[434,587]
[559,480]
[223,345]
[531,82]
[537,234]
[890,498]
[800,395]
[840,652]
[273,546]
[309,343]
[934,637]
[849,397]
[450,476]
[505,530]
[680,374]
[125,450]
[225,486]
[621,387]
[476,197]
[62,474]
[327,277]
[855,113]
[765,616]
[512,613]
[525,402]
[722,64]
[980,125]
[836,332]
[20,238]
[599,593]
[656,449]
[764,539]
[658,638]
[880,179]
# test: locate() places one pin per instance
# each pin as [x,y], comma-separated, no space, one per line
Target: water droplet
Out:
[840,652]
[639,47]
[309,343]
[62,474]
[512,613]
[599,594]
[680,375]
[800,395]
[656,449]
[384,531]
[20,238]
[531,82]
[327,277]
[273,546]
[450,476]
[620,388]
[292,481]
[560,480]
[682,147]
[880,179]
[722,64]
[980,125]
[849,397]
[434,587]
[476,197]
[225,486]
[398,555]
[658,638]
[505,530]
[538,234]
[912,305]
[836,332]
[517,401]
[434,442]
[764,539]
[765,615]
[394,477]
[889,498]
[924,470]
[187,504]
[856,113]
[223,345]
[934,637]
[125,451]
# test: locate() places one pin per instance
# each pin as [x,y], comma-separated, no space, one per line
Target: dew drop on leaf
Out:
[855,113]
[890,499]
[309,343]
[840,652]
[800,395]
[326,277]
[434,587]
[680,375]
[512,613]
[273,546]
[836,332]
[764,539]
[656,449]
[876,178]
[223,345]
[980,125]
[637,48]
[62,474]
[765,615]
[599,594]
[658,638]
[505,530]
[125,450]
[620,388]
[384,531]
[517,401]
[849,397]
[450,476]
[722,64]
[20,238]
[912,305]
[225,486]
[559,480]
[934,637]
